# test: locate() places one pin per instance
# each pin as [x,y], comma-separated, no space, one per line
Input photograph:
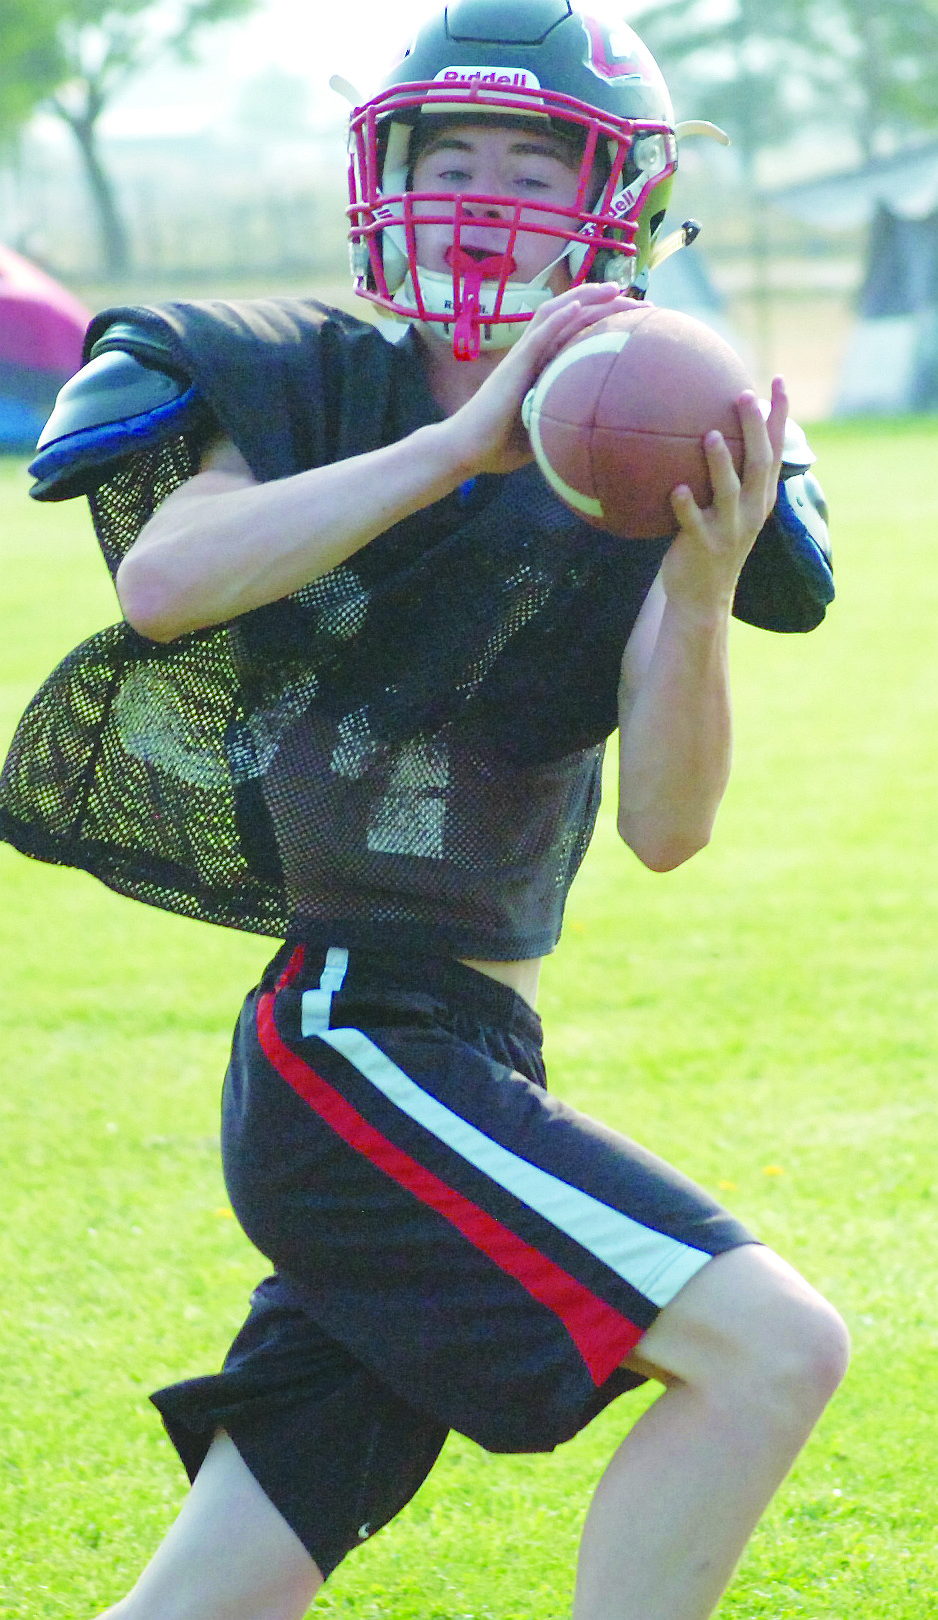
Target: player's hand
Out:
[487,432]
[703,564]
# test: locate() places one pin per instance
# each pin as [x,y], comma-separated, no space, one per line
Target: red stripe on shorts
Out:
[602,1335]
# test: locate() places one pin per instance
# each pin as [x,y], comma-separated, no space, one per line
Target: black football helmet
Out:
[570,62]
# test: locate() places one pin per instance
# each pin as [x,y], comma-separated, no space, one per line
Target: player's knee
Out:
[803,1347]
[749,1329]
[790,1346]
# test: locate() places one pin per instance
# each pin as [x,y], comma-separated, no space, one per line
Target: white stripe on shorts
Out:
[651,1262]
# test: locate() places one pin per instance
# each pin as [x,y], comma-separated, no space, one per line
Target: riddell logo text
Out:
[515,79]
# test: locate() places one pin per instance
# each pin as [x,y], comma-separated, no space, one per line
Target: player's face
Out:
[480,162]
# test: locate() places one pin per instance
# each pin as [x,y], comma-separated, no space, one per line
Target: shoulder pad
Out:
[797,454]
[115,405]
[787,582]
[149,347]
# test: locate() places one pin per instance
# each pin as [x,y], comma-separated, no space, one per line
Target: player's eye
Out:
[542,174]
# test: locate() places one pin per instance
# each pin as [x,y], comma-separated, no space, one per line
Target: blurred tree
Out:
[846,65]
[881,62]
[30,61]
[90,50]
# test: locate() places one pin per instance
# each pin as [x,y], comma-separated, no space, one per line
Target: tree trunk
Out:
[112,232]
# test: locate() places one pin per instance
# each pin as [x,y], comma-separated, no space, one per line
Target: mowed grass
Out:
[765,1018]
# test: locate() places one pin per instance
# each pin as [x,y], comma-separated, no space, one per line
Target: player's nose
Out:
[484,208]
[484,197]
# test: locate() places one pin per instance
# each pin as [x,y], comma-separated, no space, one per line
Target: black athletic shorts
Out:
[453,1248]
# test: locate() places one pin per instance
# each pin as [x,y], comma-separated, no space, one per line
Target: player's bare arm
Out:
[675,712]
[223,543]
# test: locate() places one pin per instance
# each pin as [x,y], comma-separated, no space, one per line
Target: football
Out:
[617,419]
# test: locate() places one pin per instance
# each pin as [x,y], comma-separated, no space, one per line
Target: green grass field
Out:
[764,1017]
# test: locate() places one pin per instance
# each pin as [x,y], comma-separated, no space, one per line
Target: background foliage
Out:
[837,66]
[74,56]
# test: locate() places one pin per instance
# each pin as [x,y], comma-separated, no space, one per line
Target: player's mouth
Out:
[493,266]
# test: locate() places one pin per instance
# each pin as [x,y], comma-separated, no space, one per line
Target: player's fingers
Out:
[777,418]
[589,314]
[724,480]
[563,319]
[762,451]
[587,293]
[580,306]
[538,344]
[756,441]
[688,514]
[763,435]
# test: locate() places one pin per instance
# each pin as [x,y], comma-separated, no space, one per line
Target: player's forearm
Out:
[675,742]
[220,546]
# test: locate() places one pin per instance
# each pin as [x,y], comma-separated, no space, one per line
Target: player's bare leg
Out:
[229,1556]
[750,1356]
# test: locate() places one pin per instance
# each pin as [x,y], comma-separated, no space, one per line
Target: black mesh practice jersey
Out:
[407,751]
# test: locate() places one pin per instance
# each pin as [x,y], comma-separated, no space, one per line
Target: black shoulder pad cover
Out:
[129,396]
[787,582]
